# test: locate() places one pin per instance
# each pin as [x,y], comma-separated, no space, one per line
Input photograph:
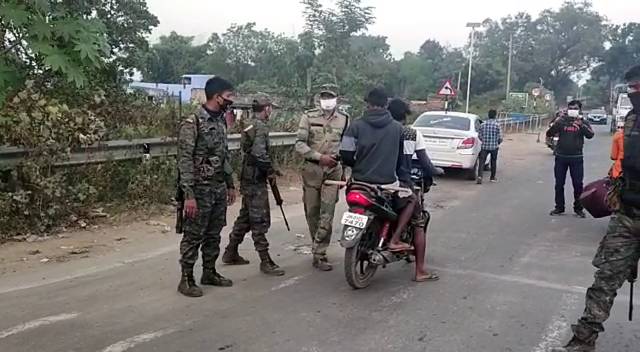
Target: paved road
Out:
[513,279]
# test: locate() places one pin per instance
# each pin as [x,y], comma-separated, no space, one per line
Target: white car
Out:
[452,139]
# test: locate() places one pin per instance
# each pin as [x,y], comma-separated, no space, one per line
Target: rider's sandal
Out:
[432,276]
[405,248]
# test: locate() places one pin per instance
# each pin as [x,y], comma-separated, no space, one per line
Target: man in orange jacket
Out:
[617,153]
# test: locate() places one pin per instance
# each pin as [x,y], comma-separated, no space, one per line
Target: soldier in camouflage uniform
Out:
[256,169]
[206,179]
[617,257]
[319,136]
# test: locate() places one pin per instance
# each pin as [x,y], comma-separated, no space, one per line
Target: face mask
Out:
[226,103]
[573,113]
[635,100]
[328,104]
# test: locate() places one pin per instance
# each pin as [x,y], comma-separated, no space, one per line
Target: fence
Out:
[520,123]
[128,150]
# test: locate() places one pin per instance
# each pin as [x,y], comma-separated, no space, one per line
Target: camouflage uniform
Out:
[319,135]
[205,174]
[616,258]
[254,215]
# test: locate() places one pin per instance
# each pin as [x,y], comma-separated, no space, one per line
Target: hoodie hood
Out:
[378,118]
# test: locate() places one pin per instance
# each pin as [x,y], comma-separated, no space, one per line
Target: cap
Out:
[328,92]
[263,100]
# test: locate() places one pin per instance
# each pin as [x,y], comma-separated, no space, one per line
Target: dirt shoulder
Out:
[110,234]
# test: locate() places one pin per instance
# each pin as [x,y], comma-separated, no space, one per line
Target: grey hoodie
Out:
[373,147]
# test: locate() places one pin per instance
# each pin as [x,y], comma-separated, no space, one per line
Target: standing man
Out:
[572,130]
[205,178]
[318,141]
[491,137]
[255,214]
[617,257]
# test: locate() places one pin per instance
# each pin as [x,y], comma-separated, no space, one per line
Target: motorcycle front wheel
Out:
[358,269]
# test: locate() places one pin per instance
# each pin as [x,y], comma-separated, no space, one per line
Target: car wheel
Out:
[472,174]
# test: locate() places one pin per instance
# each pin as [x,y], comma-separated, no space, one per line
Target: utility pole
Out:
[509,68]
[473,27]
[459,80]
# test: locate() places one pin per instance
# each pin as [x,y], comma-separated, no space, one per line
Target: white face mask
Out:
[328,104]
[573,113]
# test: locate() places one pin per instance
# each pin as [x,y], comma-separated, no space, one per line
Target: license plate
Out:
[355,220]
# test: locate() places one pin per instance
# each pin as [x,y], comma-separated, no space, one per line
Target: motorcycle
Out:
[552,142]
[368,225]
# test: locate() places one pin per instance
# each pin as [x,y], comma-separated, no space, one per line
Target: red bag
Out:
[594,198]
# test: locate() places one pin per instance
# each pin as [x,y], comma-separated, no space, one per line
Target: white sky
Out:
[406,23]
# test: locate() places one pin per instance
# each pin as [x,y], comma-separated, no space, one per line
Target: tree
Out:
[173,56]
[68,41]
[40,37]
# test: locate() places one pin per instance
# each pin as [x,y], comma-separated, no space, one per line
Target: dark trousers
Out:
[575,166]
[494,162]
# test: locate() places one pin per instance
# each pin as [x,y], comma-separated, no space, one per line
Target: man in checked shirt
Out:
[491,138]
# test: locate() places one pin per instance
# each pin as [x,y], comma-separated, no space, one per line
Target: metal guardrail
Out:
[129,150]
[532,124]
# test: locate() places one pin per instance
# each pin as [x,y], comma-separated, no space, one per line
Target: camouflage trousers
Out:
[320,204]
[615,260]
[255,216]
[203,232]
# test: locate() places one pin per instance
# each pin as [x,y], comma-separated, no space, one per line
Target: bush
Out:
[37,196]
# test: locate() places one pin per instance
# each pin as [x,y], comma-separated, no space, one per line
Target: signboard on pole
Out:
[447,90]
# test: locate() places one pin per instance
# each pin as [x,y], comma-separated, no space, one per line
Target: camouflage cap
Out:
[328,92]
[329,89]
[263,100]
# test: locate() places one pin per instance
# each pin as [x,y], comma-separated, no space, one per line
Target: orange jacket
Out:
[617,154]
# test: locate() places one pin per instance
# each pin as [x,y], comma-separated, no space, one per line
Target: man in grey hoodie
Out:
[373,147]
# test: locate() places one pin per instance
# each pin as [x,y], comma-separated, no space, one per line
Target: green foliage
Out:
[44,38]
[67,44]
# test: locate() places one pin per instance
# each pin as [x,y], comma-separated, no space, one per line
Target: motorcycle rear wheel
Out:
[357,269]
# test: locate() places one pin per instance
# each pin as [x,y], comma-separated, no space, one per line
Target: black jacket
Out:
[373,146]
[571,136]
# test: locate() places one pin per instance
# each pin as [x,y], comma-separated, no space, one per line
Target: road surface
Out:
[512,279]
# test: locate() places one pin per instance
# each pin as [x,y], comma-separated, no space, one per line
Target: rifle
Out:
[279,201]
[179,207]
[632,279]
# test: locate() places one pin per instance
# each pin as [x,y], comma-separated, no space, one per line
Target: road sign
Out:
[520,96]
[447,90]
[536,92]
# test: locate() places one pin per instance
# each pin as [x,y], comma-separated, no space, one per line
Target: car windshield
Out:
[597,112]
[444,121]
[625,102]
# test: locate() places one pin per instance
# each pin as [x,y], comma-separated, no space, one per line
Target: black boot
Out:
[232,257]
[212,278]
[576,345]
[322,264]
[188,285]
[267,266]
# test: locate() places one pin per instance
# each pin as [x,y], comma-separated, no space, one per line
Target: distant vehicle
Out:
[621,105]
[189,85]
[452,140]
[597,117]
